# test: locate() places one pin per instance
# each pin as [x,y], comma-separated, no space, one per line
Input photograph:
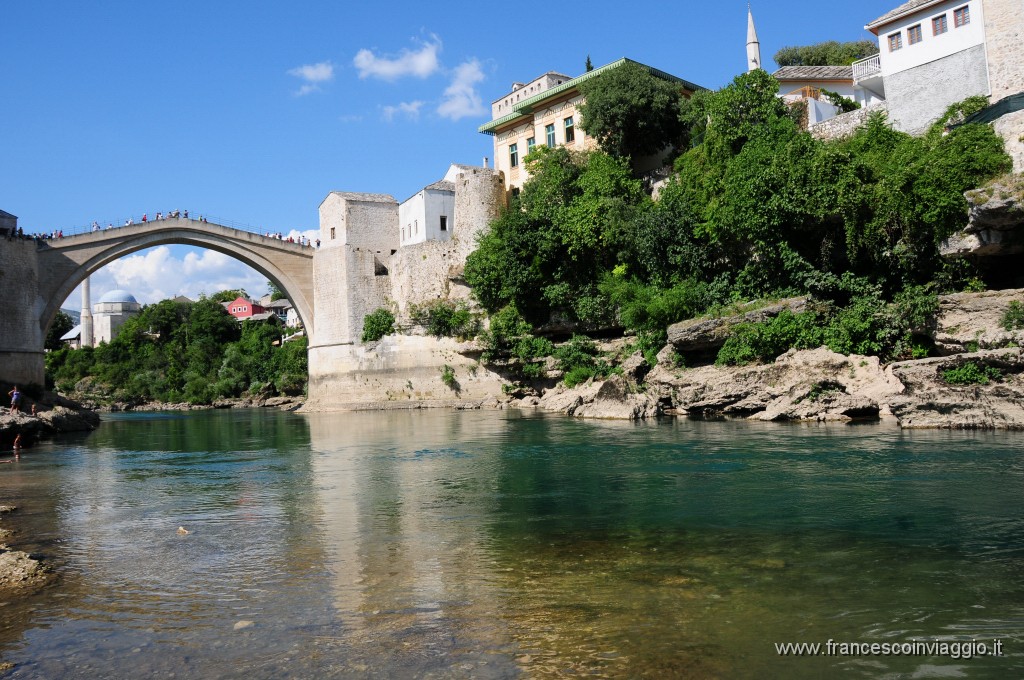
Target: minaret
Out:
[753,46]
[86,320]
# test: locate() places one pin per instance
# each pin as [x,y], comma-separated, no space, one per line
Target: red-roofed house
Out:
[242,308]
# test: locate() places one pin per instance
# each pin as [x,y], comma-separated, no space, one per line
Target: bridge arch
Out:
[65,263]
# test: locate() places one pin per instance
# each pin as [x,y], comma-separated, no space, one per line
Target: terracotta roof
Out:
[814,73]
[905,8]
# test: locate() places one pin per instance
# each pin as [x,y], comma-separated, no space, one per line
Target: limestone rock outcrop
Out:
[614,398]
[971,321]
[816,384]
[930,402]
[702,336]
[996,224]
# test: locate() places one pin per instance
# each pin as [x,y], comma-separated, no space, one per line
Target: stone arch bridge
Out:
[40,275]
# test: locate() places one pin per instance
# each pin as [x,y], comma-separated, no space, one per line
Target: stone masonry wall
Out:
[399,372]
[1011,128]
[1004,38]
[21,338]
[432,270]
[367,290]
[918,96]
[845,124]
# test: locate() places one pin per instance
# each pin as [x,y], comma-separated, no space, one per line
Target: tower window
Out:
[444,223]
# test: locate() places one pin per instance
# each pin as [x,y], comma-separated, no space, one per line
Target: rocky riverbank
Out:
[283,403]
[53,414]
[976,383]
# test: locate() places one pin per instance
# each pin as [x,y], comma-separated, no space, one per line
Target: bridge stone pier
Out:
[38,277]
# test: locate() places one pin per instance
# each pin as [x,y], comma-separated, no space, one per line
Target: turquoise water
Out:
[504,544]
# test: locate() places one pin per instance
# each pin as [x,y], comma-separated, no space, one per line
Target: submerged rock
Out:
[20,573]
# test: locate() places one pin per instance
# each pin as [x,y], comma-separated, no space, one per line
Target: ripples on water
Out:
[500,544]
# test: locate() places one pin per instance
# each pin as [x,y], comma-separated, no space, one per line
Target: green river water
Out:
[502,544]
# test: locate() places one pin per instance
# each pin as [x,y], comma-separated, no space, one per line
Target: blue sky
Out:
[253,112]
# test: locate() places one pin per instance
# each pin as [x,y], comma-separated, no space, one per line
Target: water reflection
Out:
[501,544]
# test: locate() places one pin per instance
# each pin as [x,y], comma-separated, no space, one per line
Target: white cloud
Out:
[461,99]
[409,109]
[420,63]
[157,274]
[313,75]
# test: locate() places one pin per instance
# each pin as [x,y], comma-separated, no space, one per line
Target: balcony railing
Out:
[866,68]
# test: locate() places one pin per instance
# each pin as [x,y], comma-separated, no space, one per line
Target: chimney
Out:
[485,161]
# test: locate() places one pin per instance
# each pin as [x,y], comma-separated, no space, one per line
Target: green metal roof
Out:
[527,106]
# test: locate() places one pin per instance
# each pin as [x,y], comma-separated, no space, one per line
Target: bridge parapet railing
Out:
[133,220]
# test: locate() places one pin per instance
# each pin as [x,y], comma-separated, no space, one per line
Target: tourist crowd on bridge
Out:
[58,234]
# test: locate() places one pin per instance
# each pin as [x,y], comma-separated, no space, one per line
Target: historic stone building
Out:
[546,111]
[362,266]
[110,313]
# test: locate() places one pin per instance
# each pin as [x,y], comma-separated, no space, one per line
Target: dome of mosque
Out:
[119,296]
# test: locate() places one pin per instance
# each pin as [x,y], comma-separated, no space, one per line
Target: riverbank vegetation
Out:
[756,208]
[175,352]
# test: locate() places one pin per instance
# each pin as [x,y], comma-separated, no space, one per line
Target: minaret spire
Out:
[753,45]
[86,339]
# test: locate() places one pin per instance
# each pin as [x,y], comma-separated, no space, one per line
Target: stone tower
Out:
[753,46]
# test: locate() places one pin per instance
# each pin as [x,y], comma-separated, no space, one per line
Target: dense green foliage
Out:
[756,209]
[445,319]
[630,112]
[972,373]
[62,323]
[377,324]
[194,352]
[830,53]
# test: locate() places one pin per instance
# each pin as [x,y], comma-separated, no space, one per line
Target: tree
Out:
[62,323]
[829,53]
[589,65]
[229,295]
[631,112]
[275,292]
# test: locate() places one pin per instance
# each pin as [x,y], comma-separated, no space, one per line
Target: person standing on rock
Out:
[15,396]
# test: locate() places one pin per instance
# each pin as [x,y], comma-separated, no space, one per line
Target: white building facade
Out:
[429,215]
[931,55]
